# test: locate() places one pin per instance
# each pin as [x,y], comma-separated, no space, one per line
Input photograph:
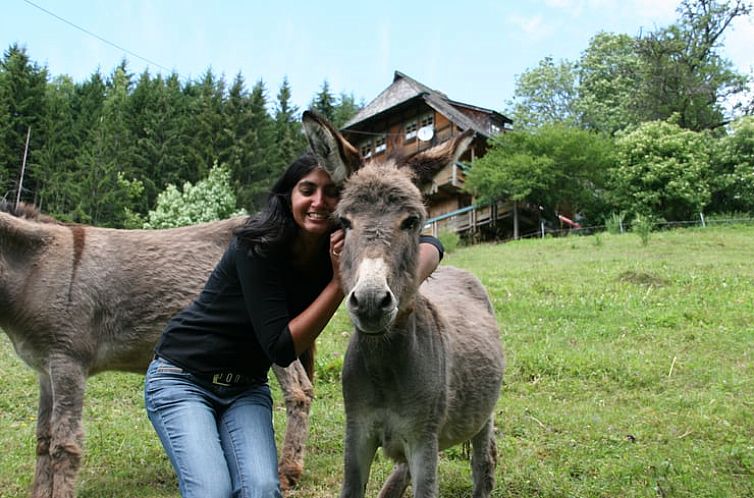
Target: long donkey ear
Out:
[337,156]
[426,163]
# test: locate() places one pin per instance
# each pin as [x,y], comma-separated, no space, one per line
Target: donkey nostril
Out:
[352,301]
[387,300]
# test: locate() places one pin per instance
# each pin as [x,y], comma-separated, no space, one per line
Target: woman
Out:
[267,300]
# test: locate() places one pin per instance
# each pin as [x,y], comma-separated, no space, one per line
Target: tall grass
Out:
[630,374]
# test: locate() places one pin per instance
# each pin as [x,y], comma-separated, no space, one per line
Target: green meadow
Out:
[629,374]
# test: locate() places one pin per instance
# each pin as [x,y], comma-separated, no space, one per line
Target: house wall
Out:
[393,126]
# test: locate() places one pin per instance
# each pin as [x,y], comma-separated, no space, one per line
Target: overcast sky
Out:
[472,50]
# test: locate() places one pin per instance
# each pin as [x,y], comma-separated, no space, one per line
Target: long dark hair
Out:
[273,227]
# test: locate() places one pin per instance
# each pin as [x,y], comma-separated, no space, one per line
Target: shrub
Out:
[614,223]
[449,240]
[642,226]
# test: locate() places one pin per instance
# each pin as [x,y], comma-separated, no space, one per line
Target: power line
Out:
[97,36]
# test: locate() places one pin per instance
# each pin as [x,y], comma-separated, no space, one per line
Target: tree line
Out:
[658,125]
[101,151]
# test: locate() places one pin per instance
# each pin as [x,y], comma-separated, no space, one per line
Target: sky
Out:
[471,50]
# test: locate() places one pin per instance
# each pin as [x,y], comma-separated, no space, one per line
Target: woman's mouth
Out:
[319,215]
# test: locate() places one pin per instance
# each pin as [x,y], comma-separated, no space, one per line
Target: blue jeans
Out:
[219,439]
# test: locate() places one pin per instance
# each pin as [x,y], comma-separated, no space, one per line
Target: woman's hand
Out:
[337,238]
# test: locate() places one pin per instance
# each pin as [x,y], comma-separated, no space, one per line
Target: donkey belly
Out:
[395,433]
[475,361]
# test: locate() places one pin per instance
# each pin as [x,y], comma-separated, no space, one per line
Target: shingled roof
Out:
[404,89]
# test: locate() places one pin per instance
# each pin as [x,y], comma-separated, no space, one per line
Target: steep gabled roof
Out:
[404,89]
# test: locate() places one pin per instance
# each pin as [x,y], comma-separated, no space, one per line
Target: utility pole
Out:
[23,168]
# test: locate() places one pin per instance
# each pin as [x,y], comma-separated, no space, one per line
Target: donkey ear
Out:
[426,163]
[336,155]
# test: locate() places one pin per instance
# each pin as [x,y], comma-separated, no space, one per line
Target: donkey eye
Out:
[345,223]
[410,223]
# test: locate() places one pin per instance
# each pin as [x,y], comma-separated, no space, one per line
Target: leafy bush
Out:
[209,200]
[449,240]
[662,170]
[614,223]
[642,226]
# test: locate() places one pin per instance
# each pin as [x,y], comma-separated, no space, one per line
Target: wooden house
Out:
[409,117]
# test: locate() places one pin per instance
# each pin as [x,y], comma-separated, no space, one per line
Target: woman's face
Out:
[313,201]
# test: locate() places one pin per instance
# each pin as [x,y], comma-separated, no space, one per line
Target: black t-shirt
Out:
[239,322]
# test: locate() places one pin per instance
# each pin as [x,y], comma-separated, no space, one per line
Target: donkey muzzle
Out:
[372,309]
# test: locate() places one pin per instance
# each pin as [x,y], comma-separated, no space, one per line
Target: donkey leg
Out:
[423,460]
[66,444]
[360,449]
[483,460]
[42,486]
[298,393]
[396,483]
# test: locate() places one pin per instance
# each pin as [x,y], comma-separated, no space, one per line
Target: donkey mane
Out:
[383,185]
[26,211]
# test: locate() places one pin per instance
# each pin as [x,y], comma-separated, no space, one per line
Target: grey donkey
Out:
[77,300]
[424,365]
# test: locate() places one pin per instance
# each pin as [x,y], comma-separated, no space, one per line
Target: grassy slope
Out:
[629,374]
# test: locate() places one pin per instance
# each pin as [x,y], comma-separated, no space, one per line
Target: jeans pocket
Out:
[168,368]
[161,375]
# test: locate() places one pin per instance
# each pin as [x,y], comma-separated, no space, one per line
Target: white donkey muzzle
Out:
[371,304]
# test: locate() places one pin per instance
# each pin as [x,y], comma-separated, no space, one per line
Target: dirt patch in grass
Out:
[642,278]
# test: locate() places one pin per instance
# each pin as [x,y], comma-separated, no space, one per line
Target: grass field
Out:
[629,374]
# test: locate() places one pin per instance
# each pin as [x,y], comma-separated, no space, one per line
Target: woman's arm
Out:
[429,258]
[308,324]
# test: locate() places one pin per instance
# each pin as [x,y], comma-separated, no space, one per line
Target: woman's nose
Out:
[318,199]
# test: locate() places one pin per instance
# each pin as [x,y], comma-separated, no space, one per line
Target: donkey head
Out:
[383,214]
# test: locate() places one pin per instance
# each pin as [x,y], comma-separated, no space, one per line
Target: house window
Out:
[495,129]
[366,149]
[427,120]
[379,144]
[411,130]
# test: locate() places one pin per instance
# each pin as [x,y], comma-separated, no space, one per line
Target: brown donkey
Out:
[77,300]
[424,365]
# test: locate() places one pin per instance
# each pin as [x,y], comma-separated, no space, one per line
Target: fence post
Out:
[701,216]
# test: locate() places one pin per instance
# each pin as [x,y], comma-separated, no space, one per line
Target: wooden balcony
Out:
[467,221]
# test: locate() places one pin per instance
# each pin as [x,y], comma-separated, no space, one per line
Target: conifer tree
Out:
[22,96]
[104,165]
[234,151]
[289,140]
[324,102]
[55,161]
[257,173]
[346,108]
[204,125]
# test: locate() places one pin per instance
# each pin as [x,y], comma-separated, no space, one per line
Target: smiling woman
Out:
[266,301]
[313,201]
